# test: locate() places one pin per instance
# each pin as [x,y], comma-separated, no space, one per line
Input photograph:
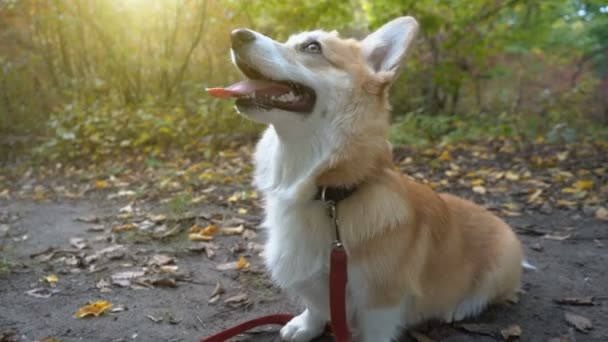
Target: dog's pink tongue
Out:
[249,87]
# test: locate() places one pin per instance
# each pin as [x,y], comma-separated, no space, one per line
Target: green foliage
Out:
[98,79]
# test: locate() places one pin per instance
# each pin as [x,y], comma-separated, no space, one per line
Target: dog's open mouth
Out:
[260,92]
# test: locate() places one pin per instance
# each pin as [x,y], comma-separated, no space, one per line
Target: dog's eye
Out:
[313,47]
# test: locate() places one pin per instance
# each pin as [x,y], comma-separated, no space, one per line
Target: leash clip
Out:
[331,208]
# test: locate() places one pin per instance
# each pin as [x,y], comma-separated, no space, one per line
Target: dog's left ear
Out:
[384,49]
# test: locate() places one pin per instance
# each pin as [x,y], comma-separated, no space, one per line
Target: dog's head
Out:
[316,76]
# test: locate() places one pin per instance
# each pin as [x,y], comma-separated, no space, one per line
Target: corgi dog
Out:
[413,254]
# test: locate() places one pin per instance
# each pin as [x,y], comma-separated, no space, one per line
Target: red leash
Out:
[337,293]
[337,305]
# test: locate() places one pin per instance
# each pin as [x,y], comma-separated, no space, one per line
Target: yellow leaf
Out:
[196,229]
[234,198]
[199,237]
[569,191]
[209,230]
[123,227]
[101,184]
[242,264]
[583,185]
[242,211]
[51,279]
[477,181]
[95,309]
[445,155]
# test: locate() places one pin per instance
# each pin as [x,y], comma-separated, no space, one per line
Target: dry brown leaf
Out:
[580,323]
[576,301]
[239,298]
[512,331]
[232,230]
[161,260]
[601,214]
[217,293]
[210,230]
[124,227]
[93,309]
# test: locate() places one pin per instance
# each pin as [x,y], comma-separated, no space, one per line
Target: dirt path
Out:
[128,243]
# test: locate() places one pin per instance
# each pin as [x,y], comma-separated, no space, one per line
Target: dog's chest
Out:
[299,241]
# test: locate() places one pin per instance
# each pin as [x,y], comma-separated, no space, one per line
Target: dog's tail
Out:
[528,266]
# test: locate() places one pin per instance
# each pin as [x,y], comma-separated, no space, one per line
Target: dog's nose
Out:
[240,37]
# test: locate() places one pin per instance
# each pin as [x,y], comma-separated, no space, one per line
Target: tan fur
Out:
[405,237]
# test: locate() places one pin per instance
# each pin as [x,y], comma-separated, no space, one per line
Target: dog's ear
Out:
[384,49]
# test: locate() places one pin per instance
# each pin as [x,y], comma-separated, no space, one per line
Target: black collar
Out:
[334,194]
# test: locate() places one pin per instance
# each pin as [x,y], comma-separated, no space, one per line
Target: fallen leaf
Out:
[232,230]
[88,219]
[512,331]
[51,279]
[41,292]
[157,218]
[127,209]
[249,234]
[124,278]
[557,237]
[581,323]
[217,292]
[124,227]
[164,282]
[242,211]
[104,285]
[479,189]
[240,299]
[199,237]
[161,260]
[101,184]
[118,308]
[242,264]
[576,301]
[445,156]
[601,214]
[155,319]
[583,184]
[95,309]
[477,181]
[512,176]
[535,195]
[210,230]
[44,339]
[78,243]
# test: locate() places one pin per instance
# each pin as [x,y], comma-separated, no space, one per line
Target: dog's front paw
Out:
[302,328]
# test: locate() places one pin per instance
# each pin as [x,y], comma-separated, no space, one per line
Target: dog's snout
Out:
[241,37]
